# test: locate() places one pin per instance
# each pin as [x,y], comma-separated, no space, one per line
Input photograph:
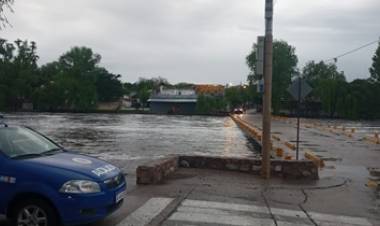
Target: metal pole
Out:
[267,101]
[298,117]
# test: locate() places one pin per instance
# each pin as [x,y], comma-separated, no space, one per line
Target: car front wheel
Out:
[34,212]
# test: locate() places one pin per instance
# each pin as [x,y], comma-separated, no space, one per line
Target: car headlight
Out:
[80,187]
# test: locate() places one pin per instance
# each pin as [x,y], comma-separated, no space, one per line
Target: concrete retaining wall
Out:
[156,171]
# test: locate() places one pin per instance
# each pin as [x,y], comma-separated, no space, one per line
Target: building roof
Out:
[174,96]
[209,89]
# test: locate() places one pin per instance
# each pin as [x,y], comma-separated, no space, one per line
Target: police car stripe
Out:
[8,180]
[147,212]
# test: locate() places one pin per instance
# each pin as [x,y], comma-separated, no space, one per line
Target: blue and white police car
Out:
[42,184]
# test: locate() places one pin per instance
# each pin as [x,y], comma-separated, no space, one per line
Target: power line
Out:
[335,59]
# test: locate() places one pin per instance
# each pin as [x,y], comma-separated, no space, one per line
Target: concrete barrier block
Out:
[155,171]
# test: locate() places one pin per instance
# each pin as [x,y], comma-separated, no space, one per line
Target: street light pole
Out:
[267,101]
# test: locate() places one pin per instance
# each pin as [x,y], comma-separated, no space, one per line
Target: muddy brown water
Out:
[129,140]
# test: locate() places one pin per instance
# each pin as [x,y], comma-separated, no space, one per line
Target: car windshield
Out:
[17,142]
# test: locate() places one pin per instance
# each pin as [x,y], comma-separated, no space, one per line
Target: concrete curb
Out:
[252,131]
[278,149]
[156,171]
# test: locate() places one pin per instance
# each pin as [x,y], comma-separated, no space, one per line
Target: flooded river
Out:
[128,140]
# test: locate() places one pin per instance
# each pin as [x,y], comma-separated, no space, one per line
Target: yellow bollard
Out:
[290,145]
[313,157]
[279,152]
[288,157]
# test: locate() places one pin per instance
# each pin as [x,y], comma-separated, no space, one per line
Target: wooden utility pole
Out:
[267,101]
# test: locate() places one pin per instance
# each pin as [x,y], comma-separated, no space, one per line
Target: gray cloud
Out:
[195,40]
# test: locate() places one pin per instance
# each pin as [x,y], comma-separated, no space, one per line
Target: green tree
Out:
[145,87]
[108,85]
[375,69]
[284,67]
[79,66]
[234,96]
[74,82]
[328,84]
[70,83]
[360,100]
[128,88]
[18,72]
[210,104]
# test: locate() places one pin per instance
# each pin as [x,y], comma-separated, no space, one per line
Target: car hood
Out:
[93,168]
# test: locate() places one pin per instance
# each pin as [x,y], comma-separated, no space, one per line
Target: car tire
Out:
[35,211]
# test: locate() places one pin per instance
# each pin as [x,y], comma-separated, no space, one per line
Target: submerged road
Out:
[130,140]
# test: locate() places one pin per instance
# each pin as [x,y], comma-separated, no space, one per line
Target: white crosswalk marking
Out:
[196,212]
[225,206]
[221,219]
[216,213]
[146,213]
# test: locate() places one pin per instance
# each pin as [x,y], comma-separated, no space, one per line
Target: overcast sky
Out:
[201,41]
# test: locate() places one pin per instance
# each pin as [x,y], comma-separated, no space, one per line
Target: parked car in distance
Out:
[238,111]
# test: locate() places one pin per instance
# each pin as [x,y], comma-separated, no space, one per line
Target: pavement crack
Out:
[306,196]
[268,206]
[308,215]
[345,182]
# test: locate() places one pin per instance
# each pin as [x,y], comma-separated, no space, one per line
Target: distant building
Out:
[173,101]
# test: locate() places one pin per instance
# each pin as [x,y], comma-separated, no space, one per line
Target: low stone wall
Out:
[292,169]
[155,171]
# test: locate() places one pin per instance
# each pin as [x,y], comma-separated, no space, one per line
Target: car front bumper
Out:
[84,209]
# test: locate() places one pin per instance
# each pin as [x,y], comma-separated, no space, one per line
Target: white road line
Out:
[221,219]
[147,212]
[225,206]
[206,211]
[337,220]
